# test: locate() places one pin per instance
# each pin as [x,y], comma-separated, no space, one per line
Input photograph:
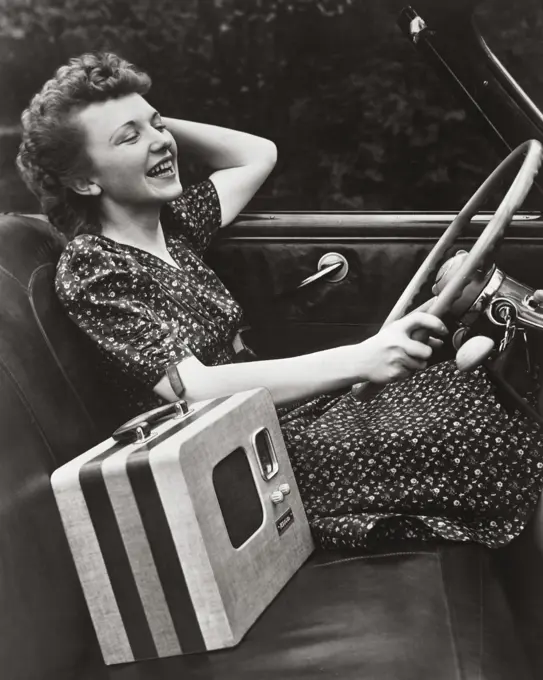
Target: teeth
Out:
[162,168]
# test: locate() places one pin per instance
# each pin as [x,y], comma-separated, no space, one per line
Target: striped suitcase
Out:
[183,539]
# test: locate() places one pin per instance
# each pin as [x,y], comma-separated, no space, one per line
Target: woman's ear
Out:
[85,187]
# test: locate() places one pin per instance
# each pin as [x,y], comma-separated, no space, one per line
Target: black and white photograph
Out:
[271,340]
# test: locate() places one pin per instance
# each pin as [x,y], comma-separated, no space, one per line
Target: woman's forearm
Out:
[220,147]
[287,379]
[240,162]
[392,354]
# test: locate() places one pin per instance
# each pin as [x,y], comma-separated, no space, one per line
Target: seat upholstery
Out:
[435,612]
[421,613]
[52,408]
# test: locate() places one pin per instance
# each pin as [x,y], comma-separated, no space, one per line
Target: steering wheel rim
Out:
[487,242]
[485,245]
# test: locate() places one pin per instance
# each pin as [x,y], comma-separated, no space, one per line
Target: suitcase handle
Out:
[138,429]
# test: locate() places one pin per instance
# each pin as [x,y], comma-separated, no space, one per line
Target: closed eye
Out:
[158,124]
[132,138]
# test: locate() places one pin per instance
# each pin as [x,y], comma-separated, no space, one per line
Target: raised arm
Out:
[240,161]
[390,355]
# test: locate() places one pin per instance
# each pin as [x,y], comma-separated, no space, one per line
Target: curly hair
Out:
[52,151]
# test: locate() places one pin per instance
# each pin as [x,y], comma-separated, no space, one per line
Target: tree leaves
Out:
[361,122]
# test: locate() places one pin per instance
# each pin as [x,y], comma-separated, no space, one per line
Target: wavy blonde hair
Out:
[52,152]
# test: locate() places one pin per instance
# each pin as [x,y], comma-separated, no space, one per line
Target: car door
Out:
[264,257]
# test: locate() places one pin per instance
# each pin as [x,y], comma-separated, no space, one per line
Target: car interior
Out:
[409,610]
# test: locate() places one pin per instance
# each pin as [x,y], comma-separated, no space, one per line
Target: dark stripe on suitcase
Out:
[159,536]
[115,557]
[169,569]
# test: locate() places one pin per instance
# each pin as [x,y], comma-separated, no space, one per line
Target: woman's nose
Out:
[160,142]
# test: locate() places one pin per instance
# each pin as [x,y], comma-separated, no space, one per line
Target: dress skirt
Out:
[433,456]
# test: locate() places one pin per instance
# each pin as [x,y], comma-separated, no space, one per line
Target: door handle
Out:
[331,266]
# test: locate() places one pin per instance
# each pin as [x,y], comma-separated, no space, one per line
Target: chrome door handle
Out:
[332,266]
[324,272]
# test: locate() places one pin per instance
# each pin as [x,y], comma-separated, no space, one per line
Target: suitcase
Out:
[183,537]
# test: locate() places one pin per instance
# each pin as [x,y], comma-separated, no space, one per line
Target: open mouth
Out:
[162,169]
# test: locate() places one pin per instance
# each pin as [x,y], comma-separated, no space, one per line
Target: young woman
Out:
[433,456]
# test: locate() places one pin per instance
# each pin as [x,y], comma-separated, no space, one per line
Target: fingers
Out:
[435,343]
[417,350]
[414,364]
[422,320]
[423,336]
[401,352]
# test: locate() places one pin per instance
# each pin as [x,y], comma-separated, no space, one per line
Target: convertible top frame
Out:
[505,113]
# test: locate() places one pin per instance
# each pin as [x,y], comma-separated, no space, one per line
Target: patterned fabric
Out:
[143,312]
[437,455]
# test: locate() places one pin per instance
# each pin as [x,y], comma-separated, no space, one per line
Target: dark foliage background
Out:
[361,121]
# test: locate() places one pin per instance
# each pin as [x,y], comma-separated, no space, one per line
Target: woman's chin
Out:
[176,191]
[170,191]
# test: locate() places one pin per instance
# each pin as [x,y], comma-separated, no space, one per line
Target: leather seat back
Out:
[53,406]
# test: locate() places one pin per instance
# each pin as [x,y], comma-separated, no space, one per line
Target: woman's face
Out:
[133,156]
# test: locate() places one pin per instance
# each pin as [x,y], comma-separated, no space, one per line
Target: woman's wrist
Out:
[348,364]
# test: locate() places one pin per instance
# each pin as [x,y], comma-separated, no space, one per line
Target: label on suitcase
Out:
[181,541]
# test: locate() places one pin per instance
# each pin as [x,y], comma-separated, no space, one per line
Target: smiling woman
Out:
[91,145]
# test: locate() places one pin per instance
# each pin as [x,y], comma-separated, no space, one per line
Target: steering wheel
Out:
[484,247]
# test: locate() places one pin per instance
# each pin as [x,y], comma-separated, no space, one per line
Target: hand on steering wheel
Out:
[485,245]
[394,354]
[538,297]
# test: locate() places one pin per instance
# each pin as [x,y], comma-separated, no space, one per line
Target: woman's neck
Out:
[138,227]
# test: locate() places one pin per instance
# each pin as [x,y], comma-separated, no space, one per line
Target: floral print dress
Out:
[434,456]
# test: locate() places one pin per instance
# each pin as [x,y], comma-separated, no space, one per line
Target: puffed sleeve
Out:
[112,299]
[196,214]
